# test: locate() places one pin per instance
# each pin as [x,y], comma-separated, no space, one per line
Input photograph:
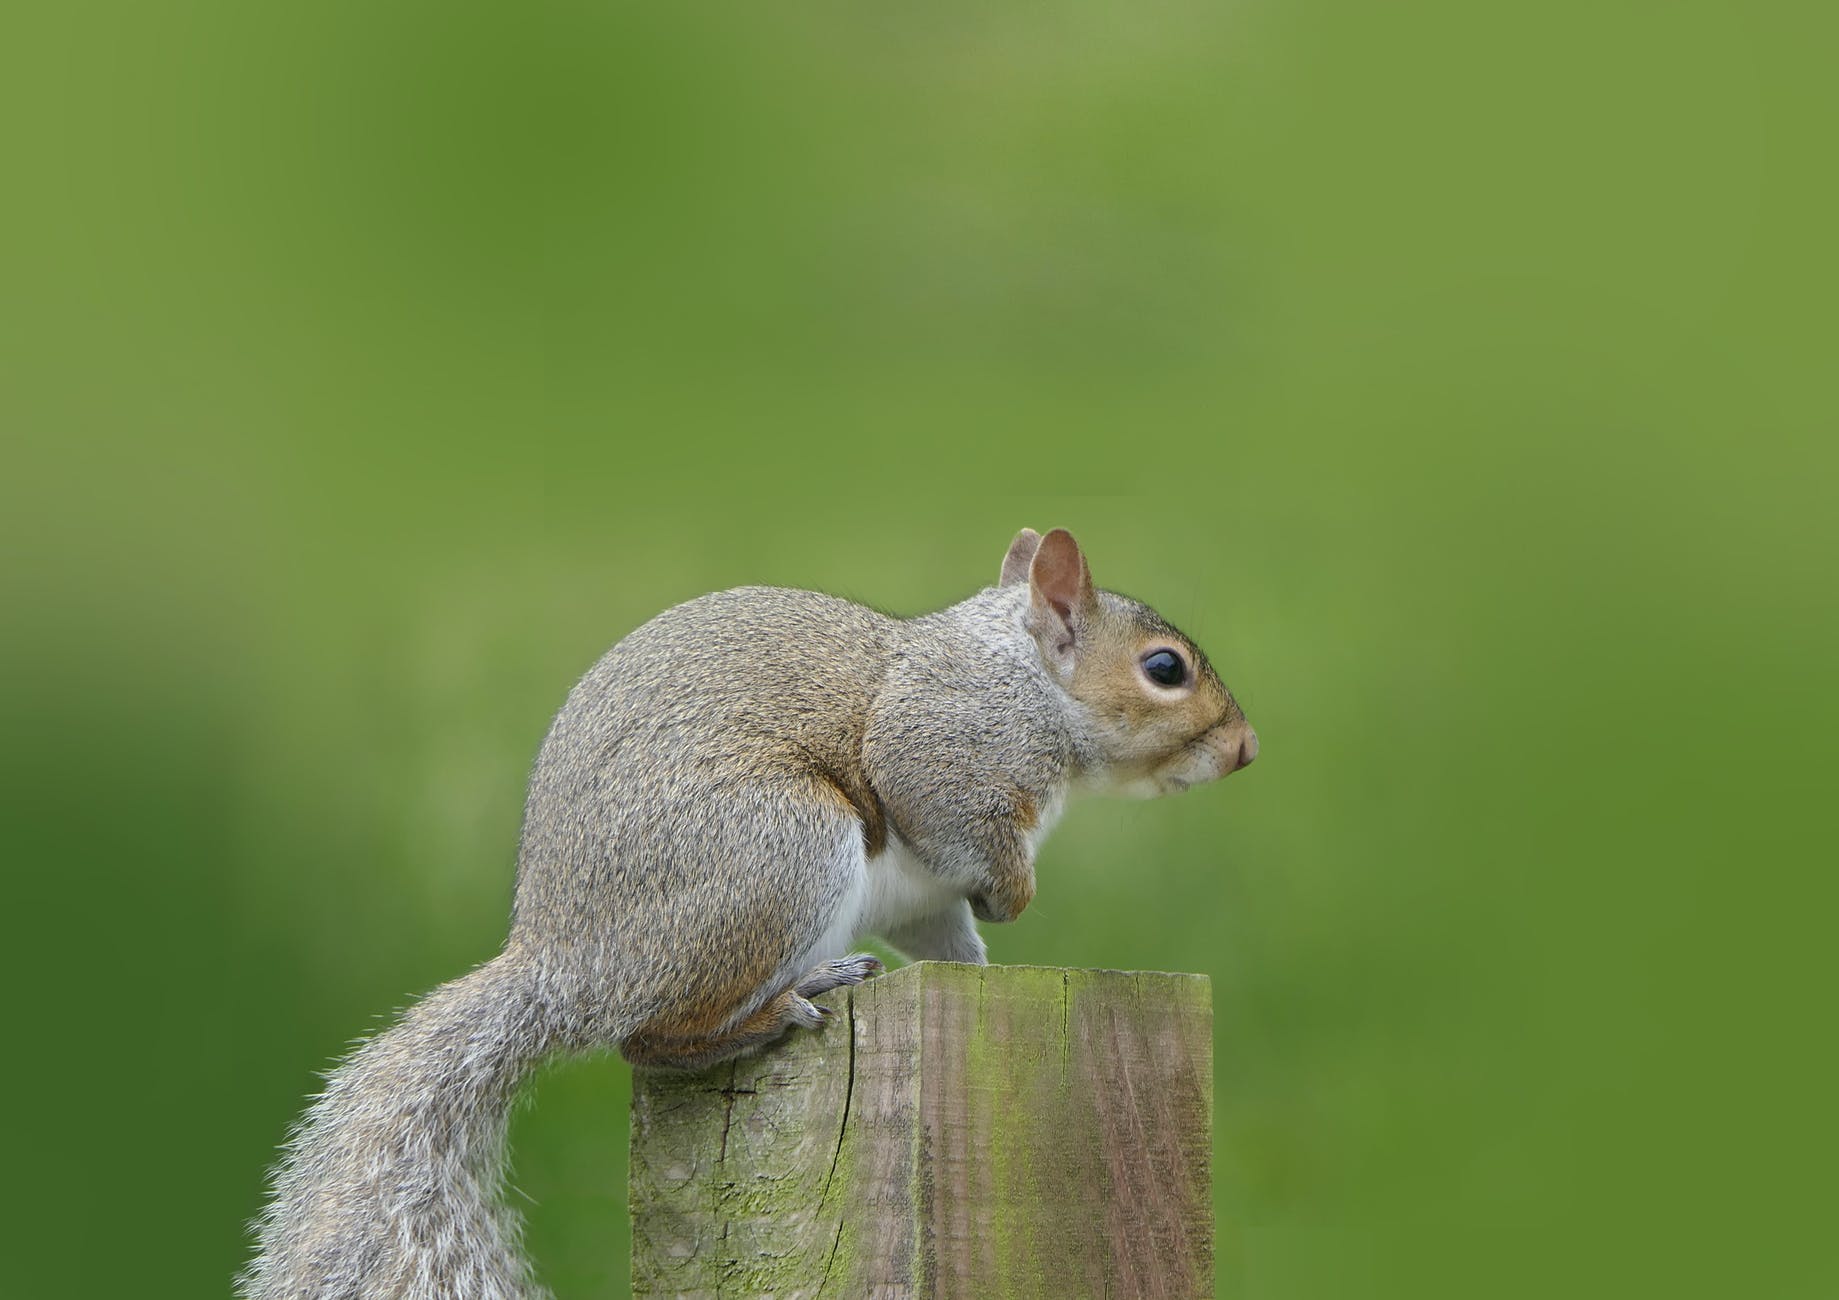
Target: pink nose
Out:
[1248,749]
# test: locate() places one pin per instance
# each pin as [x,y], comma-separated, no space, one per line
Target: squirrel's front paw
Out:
[984,910]
[1003,903]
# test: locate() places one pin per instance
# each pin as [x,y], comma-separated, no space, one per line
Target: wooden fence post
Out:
[975,1132]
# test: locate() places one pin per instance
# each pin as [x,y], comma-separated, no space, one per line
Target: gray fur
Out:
[943,936]
[389,1183]
[725,802]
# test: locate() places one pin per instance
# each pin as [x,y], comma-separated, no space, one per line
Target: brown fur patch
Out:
[1009,896]
[855,795]
[705,1009]
[1027,812]
[1150,724]
[650,1047]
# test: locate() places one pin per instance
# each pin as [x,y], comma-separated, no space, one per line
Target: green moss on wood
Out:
[988,1131]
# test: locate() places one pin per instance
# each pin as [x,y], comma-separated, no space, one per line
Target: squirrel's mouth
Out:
[1213,754]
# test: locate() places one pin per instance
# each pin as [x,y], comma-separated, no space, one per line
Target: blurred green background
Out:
[1459,375]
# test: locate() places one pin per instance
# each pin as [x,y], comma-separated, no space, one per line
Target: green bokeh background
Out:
[1459,375]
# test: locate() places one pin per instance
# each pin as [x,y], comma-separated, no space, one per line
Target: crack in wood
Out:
[842,1131]
[727,1095]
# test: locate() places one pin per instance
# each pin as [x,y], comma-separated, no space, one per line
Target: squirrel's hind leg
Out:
[781,1012]
[827,975]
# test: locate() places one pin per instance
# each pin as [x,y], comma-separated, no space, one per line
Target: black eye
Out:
[1165,667]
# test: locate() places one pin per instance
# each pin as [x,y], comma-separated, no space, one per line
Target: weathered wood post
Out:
[957,1131]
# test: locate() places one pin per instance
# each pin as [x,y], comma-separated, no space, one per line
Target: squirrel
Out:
[731,799]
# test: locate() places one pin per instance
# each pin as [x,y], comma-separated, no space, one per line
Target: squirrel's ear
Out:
[1021,552]
[1060,593]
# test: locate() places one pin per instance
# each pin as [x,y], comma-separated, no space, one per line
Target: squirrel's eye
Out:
[1165,668]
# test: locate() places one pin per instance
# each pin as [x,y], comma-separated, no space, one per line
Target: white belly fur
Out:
[887,890]
[893,888]
[901,889]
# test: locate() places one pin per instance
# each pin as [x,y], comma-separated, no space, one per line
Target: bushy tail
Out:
[389,1186]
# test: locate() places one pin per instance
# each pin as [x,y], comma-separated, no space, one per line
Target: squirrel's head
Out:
[1162,719]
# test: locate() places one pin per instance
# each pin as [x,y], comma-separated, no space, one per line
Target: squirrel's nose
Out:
[1248,749]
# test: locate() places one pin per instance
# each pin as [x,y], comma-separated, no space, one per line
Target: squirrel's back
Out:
[751,676]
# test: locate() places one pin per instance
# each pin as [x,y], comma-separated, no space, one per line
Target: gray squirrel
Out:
[732,798]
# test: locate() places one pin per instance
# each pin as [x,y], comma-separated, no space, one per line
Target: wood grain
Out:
[956,1131]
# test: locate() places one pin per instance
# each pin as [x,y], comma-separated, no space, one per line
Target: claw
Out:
[836,974]
[809,1014]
